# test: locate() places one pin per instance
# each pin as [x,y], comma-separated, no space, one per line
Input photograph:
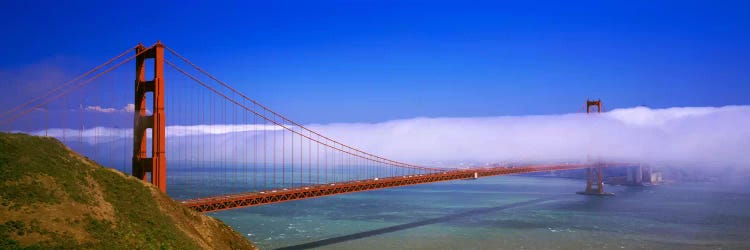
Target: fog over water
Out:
[679,137]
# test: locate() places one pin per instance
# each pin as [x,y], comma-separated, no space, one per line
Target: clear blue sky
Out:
[379,60]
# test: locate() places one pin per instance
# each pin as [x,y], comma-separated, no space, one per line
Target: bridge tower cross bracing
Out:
[156,165]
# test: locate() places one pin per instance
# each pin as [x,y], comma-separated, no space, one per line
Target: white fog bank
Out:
[690,137]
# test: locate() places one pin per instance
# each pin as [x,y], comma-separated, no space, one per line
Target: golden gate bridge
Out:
[225,150]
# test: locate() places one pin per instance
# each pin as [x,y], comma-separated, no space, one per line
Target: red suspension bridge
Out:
[224,149]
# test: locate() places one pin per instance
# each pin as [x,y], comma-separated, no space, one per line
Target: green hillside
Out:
[51,197]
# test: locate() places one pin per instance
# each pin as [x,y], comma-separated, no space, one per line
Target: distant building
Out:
[640,175]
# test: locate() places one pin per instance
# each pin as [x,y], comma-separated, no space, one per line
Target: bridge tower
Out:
[592,103]
[595,181]
[156,165]
[594,174]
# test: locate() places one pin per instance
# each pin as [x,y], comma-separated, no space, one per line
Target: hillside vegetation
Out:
[51,197]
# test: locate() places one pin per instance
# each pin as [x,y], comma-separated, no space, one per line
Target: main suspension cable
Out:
[286,126]
[68,90]
[289,120]
[50,92]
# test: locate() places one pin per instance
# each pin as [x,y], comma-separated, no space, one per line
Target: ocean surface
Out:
[507,212]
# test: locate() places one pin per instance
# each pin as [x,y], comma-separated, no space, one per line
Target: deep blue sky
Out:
[368,61]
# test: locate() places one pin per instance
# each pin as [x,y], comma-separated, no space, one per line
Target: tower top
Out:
[595,103]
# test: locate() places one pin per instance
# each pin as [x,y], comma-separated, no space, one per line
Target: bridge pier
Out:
[595,182]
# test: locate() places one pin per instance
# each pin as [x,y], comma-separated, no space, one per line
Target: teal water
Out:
[507,212]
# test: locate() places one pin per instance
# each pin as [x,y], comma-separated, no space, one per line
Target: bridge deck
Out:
[217,203]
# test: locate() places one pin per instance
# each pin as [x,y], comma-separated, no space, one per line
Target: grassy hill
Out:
[51,197]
